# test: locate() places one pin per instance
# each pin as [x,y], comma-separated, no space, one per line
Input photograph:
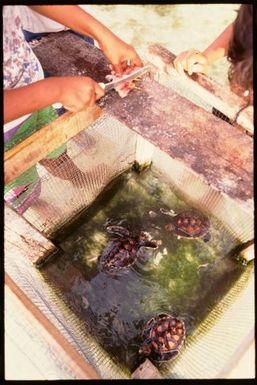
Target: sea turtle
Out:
[188,223]
[122,251]
[163,336]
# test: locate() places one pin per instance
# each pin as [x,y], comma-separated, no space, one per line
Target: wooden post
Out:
[146,370]
[21,237]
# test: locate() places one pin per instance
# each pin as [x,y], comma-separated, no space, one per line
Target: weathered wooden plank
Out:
[41,143]
[221,98]
[21,238]
[215,150]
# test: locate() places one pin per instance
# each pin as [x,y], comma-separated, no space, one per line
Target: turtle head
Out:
[144,240]
[145,348]
[118,230]
[169,227]
[148,244]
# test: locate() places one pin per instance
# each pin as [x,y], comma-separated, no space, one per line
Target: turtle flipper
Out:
[207,237]
[118,230]
[145,348]
[169,355]
[170,212]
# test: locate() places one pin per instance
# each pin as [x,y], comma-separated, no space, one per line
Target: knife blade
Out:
[125,78]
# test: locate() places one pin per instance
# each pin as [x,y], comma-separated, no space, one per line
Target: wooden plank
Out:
[80,368]
[220,154]
[41,143]
[22,238]
[167,57]
[222,99]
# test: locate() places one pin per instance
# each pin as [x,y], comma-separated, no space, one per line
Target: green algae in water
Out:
[183,277]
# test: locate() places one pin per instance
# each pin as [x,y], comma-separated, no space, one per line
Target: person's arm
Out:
[219,48]
[75,93]
[195,61]
[76,18]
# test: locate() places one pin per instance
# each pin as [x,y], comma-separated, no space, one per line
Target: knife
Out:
[125,78]
[109,86]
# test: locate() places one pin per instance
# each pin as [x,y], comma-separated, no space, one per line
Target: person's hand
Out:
[191,61]
[75,18]
[77,92]
[120,54]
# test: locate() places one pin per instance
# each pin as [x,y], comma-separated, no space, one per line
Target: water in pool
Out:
[182,277]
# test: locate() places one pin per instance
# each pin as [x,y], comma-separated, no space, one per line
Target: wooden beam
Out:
[47,139]
[208,90]
[146,370]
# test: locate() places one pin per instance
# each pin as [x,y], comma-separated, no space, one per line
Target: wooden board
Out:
[41,143]
[215,150]
[220,97]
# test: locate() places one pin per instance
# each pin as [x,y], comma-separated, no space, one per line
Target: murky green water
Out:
[183,277]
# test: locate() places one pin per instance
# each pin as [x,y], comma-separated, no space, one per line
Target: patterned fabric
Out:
[20,64]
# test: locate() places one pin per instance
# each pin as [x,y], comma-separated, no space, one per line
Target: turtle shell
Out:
[190,224]
[119,255]
[122,252]
[163,336]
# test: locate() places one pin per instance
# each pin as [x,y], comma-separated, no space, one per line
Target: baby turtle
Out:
[122,252]
[188,224]
[163,336]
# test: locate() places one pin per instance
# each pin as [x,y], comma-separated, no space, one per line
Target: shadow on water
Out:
[174,278]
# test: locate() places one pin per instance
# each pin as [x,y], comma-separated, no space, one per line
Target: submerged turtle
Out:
[163,336]
[188,224]
[122,252]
